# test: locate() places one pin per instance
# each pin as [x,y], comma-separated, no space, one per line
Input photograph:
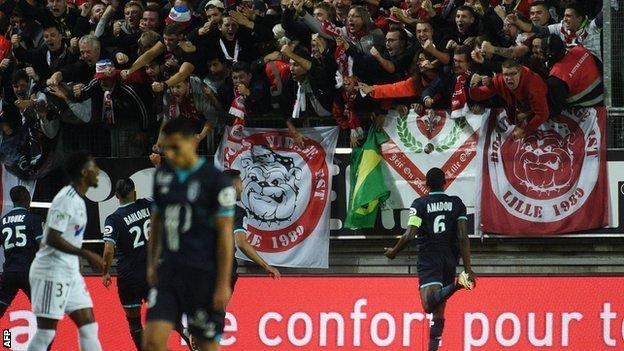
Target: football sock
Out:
[439,296]
[41,340]
[184,334]
[136,330]
[435,333]
[89,337]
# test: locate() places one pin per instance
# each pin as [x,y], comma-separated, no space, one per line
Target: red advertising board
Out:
[374,313]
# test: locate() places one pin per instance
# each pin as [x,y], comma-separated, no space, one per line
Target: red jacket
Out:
[580,71]
[529,96]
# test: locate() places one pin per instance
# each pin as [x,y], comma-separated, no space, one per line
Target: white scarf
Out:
[300,103]
[226,54]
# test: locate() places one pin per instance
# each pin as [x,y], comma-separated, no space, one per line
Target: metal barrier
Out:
[613,64]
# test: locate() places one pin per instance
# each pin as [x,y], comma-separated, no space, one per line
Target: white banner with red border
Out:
[420,141]
[551,182]
[286,191]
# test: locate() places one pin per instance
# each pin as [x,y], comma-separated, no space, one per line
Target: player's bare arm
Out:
[109,253]
[409,235]
[55,240]
[252,254]
[154,247]
[464,246]
[225,256]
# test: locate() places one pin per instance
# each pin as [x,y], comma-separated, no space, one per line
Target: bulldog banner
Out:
[551,182]
[419,142]
[286,191]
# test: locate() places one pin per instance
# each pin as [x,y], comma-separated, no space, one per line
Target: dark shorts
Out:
[11,283]
[187,290]
[132,288]
[436,268]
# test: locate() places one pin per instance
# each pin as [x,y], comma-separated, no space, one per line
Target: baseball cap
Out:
[102,68]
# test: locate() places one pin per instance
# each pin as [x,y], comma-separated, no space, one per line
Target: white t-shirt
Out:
[68,215]
[588,36]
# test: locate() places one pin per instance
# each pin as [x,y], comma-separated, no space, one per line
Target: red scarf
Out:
[185,108]
[108,112]
[343,111]
[238,106]
[340,54]
[459,98]
[233,142]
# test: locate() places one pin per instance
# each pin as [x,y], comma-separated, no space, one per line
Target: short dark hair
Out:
[232,173]
[327,7]
[577,8]
[467,8]
[426,22]
[75,163]
[50,25]
[435,179]
[133,3]
[124,187]
[540,3]
[463,50]
[173,29]
[183,126]
[153,8]
[19,75]
[401,31]
[20,195]
[510,63]
[241,66]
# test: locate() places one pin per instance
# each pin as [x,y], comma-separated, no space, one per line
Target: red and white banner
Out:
[553,181]
[419,142]
[380,313]
[286,192]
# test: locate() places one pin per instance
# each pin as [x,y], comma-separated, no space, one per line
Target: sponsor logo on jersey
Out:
[193,190]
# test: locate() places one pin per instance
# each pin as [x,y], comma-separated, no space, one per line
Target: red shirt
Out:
[529,96]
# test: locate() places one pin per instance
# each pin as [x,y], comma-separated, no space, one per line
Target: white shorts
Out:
[53,296]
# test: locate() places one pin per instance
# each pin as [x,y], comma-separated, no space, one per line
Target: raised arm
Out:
[513,52]
[482,92]
[146,58]
[443,57]
[106,16]
[305,64]
[186,69]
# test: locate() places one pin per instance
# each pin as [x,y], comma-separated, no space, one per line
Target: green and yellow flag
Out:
[368,190]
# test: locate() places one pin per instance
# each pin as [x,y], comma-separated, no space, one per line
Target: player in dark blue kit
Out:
[127,231]
[20,234]
[440,223]
[192,226]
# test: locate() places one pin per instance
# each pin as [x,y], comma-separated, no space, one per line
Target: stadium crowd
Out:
[105,75]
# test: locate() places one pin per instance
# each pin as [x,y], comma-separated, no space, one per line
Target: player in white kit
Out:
[57,285]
